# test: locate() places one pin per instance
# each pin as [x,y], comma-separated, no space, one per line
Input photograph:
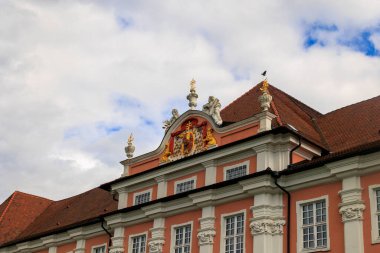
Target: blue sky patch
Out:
[312,34]
[317,34]
[361,42]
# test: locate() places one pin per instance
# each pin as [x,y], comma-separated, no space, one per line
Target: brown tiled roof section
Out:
[352,125]
[72,210]
[19,211]
[288,110]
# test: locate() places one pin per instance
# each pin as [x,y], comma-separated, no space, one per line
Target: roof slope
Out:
[345,128]
[19,211]
[288,110]
[66,212]
[353,125]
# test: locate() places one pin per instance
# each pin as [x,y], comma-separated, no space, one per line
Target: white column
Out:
[117,241]
[81,246]
[207,231]
[157,240]
[53,249]
[161,186]
[267,223]
[210,174]
[351,209]
[123,198]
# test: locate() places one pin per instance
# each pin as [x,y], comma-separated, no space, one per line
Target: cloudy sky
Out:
[77,77]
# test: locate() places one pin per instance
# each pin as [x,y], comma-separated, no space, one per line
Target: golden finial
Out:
[265,86]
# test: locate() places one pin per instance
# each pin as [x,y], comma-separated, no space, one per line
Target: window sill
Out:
[316,250]
[376,241]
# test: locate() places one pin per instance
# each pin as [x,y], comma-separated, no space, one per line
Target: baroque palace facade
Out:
[267,174]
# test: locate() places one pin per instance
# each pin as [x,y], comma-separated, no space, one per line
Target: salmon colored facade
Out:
[267,174]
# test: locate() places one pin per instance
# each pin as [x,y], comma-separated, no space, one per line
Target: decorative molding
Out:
[156,245]
[352,212]
[206,237]
[267,226]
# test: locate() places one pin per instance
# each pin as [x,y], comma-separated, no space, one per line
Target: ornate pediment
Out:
[193,136]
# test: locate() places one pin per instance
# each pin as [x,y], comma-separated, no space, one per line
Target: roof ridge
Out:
[344,107]
[8,205]
[298,102]
[33,195]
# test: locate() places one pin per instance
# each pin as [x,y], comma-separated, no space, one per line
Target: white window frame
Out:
[374,216]
[223,229]
[142,192]
[246,163]
[299,205]
[130,240]
[194,178]
[172,235]
[98,246]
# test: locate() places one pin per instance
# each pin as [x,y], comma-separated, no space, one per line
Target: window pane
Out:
[182,239]
[142,198]
[236,172]
[314,227]
[234,235]
[185,186]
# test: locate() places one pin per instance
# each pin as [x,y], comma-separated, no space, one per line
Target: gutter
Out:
[108,233]
[276,175]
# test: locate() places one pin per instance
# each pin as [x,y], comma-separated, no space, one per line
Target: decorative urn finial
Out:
[265,99]
[192,97]
[129,149]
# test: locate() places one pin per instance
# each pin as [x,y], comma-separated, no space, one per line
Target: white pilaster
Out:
[123,198]
[207,231]
[210,175]
[118,241]
[157,240]
[267,223]
[265,157]
[81,246]
[161,186]
[53,249]
[351,209]
[265,118]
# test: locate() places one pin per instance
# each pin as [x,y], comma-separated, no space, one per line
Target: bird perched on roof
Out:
[264,73]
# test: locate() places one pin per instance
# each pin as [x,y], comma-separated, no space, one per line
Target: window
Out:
[182,238]
[185,185]
[235,171]
[99,249]
[142,197]
[138,244]
[234,233]
[312,225]
[374,191]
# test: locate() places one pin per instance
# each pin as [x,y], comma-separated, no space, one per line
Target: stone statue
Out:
[212,108]
[168,123]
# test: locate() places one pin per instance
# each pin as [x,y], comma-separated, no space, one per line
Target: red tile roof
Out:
[352,125]
[18,212]
[288,110]
[79,208]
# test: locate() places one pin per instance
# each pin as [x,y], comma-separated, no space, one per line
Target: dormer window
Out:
[235,171]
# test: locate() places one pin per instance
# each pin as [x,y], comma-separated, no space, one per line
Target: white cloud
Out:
[71,71]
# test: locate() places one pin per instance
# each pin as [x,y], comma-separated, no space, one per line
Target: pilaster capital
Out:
[353,212]
[209,163]
[160,179]
[156,245]
[79,250]
[206,236]
[267,226]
